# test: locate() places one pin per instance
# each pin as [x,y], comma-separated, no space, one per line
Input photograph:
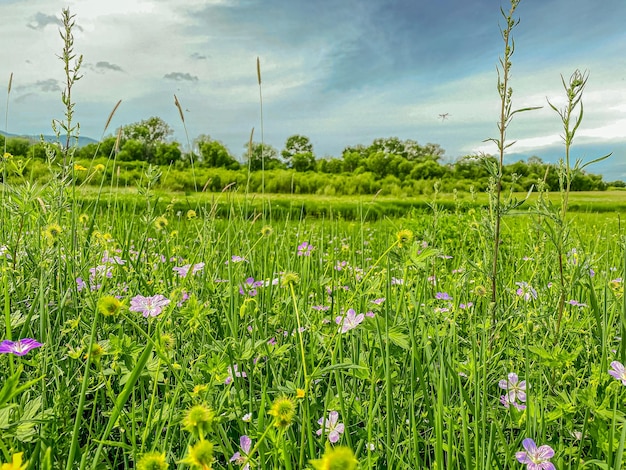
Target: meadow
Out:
[152,330]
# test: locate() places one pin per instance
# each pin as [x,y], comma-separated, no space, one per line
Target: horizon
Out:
[375,71]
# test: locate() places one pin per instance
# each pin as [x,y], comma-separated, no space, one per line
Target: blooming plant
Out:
[535,458]
[618,371]
[148,306]
[240,456]
[331,427]
[349,321]
[20,347]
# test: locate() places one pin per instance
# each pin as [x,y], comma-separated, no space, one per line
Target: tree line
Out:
[386,162]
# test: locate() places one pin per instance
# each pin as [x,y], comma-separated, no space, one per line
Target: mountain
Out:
[82,141]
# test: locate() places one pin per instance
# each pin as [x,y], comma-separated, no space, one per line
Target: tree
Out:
[262,156]
[149,131]
[166,153]
[298,153]
[215,154]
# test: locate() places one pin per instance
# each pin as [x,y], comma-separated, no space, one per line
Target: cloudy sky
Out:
[342,72]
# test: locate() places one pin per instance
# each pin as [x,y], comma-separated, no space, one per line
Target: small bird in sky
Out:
[444,116]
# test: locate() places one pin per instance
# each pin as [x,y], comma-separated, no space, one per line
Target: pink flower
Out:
[618,371]
[234,372]
[350,321]
[331,427]
[240,457]
[148,306]
[536,458]
[516,390]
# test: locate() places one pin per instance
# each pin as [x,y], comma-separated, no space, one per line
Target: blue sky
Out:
[340,72]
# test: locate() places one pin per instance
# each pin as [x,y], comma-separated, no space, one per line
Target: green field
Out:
[253,321]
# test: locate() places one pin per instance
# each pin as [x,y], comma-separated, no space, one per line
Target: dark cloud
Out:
[40,20]
[103,66]
[48,85]
[198,56]
[179,76]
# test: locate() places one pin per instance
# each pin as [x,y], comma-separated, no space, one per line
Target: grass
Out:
[153,330]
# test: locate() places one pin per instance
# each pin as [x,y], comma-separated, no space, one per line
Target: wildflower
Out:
[331,427]
[52,232]
[290,279]
[396,281]
[536,458]
[266,231]
[200,455]
[480,291]
[148,306]
[249,287]
[404,237]
[152,461]
[370,446]
[320,308]
[300,393]
[233,371]
[246,418]
[78,167]
[98,167]
[465,306]
[16,463]
[442,296]
[20,347]
[246,444]
[95,353]
[339,458]
[378,301]
[618,371]
[350,321]
[304,249]
[7,156]
[198,420]
[160,223]
[283,410]
[576,303]
[515,389]
[109,306]
[526,291]
[236,259]
[191,214]
[506,402]
[182,271]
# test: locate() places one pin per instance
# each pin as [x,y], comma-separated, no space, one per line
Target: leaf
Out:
[340,366]
[596,160]
[398,338]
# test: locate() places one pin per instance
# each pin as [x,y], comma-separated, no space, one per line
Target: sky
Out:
[341,72]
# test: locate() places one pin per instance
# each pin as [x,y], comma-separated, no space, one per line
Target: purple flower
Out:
[249,287]
[378,301]
[234,372]
[526,291]
[442,296]
[240,457]
[320,308]
[331,427]
[350,321]
[618,371]
[184,270]
[304,249]
[236,259]
[504,399]
[19,347]
[515,389]
[536,458]
[148,306]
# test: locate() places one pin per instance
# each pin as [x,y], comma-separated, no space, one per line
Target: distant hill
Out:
[82,141]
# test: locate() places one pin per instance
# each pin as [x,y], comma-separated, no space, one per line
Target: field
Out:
[166,334]
[149,329]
